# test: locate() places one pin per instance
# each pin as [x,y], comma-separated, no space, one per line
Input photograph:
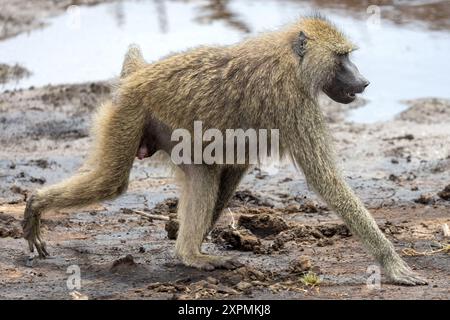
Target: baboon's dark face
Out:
[346,83]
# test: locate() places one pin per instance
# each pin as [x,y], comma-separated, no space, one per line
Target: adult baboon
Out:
[272,82]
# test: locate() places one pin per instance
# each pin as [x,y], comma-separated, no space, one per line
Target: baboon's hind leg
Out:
[103,176]
[80,190]
[229,180]
[195,212]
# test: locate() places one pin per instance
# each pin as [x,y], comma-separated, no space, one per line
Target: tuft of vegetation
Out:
[310,279]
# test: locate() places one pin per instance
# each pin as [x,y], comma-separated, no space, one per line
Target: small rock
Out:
[225,289]
[242,239]
[292,208]
[263,225]
[426,198]
[243,286]
[211,286]
[212,280]
[258,283]
[38,180]
[301,265]
[172,228]
[123,264]
[78,296]
[325,242]
[394,178]
[445,194]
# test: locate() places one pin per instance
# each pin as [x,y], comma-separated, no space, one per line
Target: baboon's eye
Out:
[300,44]
[340,58]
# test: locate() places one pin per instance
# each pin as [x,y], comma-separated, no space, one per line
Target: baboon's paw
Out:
[209,263]
[403,275]
[32,231]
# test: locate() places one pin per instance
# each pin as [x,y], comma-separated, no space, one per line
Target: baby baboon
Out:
[268,82]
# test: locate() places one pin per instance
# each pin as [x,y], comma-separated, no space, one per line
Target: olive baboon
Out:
[270,81]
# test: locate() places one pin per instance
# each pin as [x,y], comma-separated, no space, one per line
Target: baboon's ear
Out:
[300,44]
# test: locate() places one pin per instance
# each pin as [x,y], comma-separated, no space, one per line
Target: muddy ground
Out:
[282,230]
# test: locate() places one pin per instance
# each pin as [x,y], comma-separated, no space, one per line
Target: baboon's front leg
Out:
[311,150]
[195,211]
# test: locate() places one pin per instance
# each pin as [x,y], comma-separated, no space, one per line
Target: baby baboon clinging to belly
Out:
[268,82]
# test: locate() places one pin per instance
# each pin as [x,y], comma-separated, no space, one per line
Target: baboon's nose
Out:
[363,84]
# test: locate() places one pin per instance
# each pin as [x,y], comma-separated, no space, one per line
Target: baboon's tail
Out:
[118,130]
[133,61]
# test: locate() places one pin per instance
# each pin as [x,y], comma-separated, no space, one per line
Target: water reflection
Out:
[162,15]
[219,10]
[434,14]
[118,13]
[400,61]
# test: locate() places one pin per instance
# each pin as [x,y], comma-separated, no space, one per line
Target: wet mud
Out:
[291,244]
[275,225]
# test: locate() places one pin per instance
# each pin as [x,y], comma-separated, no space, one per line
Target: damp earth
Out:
[275,225]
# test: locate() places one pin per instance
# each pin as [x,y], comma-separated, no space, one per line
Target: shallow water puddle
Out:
[88,43]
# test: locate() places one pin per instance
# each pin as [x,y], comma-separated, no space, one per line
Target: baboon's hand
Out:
[400,273]
[32,230]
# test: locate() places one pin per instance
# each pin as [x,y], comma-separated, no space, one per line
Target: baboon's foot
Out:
[209,263]
[32,230]
[400,273]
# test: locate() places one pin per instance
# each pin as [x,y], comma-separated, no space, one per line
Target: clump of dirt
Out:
[321,234]
[41,163]
[330,230]
[301,265]
[249,210]
[428,110]
[236,239]
[248,198]
[445,194]
[425,198]
[202,289]
[123,264]
[305,205]
[389,228]
[263,225]
[9,227]
[406,176]
[12,73]
[252,274]
[172,227]
[18,190]
[166,207]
